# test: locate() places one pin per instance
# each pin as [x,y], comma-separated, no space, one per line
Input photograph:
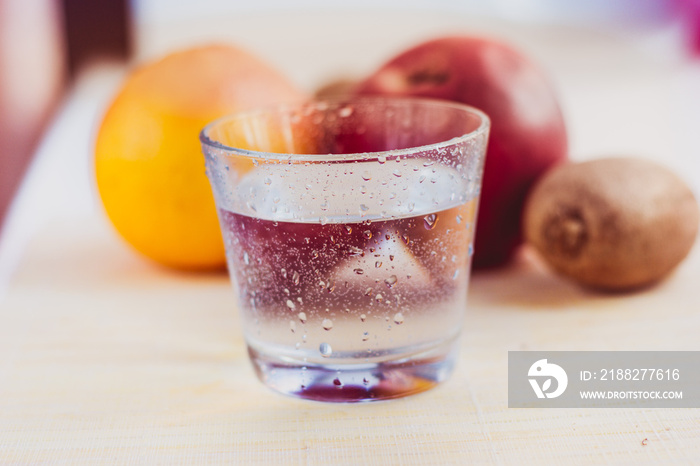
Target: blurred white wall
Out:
[315,41]
[568,11]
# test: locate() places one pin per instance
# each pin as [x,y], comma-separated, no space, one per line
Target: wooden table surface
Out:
[105,358]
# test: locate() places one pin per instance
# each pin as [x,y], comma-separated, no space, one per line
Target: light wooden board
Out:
[105,358]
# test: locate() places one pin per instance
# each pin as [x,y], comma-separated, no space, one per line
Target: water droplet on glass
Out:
[365,381]
[396,173]
[398,318]
[458,218]
[391,281]
[246,258]
[381,159]
[430,221]
[291,305]
[392,196]
[325,350]
[292,326]
[365,336]
[348,228]
[268,181]
[345,112]
[471,250]
[411,206]
[275,200]
[255,162]
[327,324]
[363,317]
[359,271]
[368,292]
[455,275]
[363,209]
[367,234]
[296,278]
[405,238]
[337,382]
[391,257]
[366,176]
[428,163]
[378,264]
[324,220]
[302,317]
[379,297]
[355,251]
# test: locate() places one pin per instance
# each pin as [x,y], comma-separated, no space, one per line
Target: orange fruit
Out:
[148,160]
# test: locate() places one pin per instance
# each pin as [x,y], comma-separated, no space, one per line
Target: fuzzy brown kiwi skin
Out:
[612,224]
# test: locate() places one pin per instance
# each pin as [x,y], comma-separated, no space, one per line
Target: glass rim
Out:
[483,127]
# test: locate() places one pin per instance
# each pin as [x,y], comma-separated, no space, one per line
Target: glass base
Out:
[361,382]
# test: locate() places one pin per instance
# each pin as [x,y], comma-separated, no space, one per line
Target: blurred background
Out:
[627,72]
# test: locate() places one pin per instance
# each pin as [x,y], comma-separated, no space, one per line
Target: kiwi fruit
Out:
[612,224]
[338,87]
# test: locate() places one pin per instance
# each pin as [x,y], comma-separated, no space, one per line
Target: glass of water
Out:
[348,227]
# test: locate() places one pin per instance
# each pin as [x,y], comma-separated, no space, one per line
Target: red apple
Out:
[527,137]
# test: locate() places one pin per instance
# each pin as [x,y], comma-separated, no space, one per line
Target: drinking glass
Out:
[348,226]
